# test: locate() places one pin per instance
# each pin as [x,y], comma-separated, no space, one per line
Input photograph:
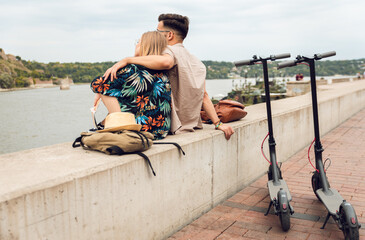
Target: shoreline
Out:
[34,87]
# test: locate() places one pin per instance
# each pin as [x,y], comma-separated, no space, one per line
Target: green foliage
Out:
[323,68]
[79,72]
[21,83]
[6,81]
[218,70]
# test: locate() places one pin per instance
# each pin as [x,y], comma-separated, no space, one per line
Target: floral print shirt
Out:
[145,93]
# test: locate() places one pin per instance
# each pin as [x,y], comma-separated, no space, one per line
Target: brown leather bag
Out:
[227,111]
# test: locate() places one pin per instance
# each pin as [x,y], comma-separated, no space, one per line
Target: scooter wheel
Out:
[350,233]
[285,220]
[269,173]
[316,183]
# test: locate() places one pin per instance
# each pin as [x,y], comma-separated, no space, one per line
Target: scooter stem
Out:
[317,146]
[275,172]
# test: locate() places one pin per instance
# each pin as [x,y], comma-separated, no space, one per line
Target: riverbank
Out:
[26,88]
[37,86]
[234,83]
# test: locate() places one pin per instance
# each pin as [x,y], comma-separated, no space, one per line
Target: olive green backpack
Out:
[119,143]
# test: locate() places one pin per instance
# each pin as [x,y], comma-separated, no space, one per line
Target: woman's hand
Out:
[112,72]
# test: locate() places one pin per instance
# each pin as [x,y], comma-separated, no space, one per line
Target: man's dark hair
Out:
[176,22]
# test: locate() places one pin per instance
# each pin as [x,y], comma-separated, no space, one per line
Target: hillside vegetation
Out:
[16,72]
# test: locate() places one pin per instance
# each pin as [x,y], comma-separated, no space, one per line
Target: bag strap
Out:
[120,151]
[148,161]
[143,138]
[173,143]
[77,142]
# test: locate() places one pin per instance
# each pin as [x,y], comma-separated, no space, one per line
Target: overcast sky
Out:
[230,30]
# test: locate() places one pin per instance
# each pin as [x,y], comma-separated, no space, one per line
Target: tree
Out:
[6,81]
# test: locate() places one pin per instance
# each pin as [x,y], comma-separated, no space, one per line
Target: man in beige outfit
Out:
[186,74]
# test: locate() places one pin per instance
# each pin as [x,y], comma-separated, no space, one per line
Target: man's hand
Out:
[112,72]
[228,131]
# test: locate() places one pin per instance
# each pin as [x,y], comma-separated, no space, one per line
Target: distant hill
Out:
[221,70]
[15,72]
[9,66]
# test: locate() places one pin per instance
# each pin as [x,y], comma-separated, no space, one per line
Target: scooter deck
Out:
[274,189]
[331,200]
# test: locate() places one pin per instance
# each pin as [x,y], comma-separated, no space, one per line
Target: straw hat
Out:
[120,121]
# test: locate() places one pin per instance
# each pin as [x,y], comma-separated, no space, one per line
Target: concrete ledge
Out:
[58,192]
[297,88]
[339,80]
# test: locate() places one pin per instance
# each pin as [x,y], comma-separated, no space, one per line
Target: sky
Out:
[230,30]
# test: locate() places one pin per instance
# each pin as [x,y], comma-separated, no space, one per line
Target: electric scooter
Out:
[278,189]
[341,211]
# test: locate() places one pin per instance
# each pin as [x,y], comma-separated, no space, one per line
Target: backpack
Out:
[119,143]
[227,111]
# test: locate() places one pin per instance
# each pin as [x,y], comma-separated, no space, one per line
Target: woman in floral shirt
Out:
[145,93]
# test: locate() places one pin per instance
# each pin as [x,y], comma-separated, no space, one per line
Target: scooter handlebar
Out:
[242,62]
[287,64]
[325,55]
[284,55]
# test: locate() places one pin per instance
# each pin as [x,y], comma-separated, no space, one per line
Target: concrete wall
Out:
[58,192]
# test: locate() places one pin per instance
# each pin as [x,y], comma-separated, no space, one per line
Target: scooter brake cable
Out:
[262,148]
[327,159]
[309,159]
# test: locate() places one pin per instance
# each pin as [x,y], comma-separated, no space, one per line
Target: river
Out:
[45,116]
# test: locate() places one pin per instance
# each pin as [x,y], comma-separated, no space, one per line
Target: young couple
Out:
[141,84]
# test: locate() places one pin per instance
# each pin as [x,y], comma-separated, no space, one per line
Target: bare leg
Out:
[111,103]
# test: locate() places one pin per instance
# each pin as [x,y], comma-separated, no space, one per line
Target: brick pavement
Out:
[242,216]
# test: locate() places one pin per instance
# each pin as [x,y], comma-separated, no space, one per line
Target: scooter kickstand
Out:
[268,209]
[325,222]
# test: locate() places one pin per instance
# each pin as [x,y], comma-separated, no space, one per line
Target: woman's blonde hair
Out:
[152,43]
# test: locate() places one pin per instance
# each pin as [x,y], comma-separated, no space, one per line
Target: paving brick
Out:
[234,214]
[330,226]
[249,190]
[206,234]
[239,197]
[228,236]
[337,235]
[294,235]
[187,232]
[306,229]
[262,204]
[251,226]
[204,221]
[313,236]
[221,209]
[302,222]
[261,235]
[277,230]
[300,210]
[317,212]
[251,201]
[236,230]
[221,224]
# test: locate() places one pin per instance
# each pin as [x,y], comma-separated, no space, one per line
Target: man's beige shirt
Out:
[187,79]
